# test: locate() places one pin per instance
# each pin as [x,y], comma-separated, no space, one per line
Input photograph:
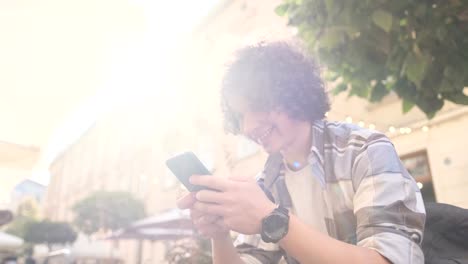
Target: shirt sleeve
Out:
[253,250]
[388,205]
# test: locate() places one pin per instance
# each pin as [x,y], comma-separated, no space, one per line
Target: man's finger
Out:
[208,208]
[208,219]
[208,196]
[220,223]
[212,182]
[186,201]
[195,214]
[242,178]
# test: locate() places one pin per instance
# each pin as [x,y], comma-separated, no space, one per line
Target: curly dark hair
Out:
[272,76]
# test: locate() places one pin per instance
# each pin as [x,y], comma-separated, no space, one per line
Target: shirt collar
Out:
[317,151]
[275,166]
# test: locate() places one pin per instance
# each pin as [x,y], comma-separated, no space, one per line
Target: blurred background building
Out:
[16,163]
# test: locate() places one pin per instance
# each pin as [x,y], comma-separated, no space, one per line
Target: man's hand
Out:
[242,204]
[209,226]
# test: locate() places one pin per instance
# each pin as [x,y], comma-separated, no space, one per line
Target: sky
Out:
[64,63]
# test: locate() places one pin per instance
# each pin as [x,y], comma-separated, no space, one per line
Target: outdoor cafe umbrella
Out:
[172,219]
[171,225]
[9,242]
[152,234]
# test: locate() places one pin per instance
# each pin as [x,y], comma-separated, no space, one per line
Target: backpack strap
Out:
[273,183]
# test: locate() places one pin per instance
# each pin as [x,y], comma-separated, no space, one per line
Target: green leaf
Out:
[331,38]
[458,98]
[403,22]
[380,42]
[407,106]
[378,92]
[446,86]
[330,76]
[416,67]
[282,9]
[382,19]
[330,4]
[339,88]
[430,115]
[359,89]
[441,33]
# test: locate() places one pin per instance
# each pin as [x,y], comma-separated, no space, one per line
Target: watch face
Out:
[275,226]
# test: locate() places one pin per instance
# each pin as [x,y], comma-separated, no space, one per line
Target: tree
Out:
[107,211]
[50,233]
[27,212]
[416,48]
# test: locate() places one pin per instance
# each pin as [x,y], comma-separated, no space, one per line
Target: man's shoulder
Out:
[348,134]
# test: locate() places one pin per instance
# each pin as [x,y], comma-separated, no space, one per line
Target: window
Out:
[417,165]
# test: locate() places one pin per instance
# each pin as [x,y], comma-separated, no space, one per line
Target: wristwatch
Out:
[275,226]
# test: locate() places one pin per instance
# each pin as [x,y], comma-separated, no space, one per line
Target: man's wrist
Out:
[267,210]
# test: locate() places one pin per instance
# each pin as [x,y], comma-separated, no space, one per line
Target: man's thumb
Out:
[186,201]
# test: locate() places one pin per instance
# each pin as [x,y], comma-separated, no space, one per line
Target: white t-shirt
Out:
[307,204]
[306,197]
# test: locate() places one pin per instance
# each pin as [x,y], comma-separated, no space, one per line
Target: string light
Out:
[326,114]
[405,130]
[391,129]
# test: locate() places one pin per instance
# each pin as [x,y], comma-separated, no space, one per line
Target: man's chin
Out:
[270,149]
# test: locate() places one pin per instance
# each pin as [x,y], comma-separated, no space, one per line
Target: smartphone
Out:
[185,165]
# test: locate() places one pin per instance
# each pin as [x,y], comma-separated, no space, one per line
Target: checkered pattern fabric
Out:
[369,198]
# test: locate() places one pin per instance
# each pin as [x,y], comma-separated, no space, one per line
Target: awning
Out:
[153,234]
[174,219]
[170,225]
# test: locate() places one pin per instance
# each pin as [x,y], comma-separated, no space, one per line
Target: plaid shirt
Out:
[369,198]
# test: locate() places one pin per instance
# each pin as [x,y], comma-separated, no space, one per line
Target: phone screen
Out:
[185,165]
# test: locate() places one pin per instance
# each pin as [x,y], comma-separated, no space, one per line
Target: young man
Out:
[330,192]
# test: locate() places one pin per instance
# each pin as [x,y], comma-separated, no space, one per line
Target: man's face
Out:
[273,130]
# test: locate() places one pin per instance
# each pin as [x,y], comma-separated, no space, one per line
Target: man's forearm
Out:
[224,251]
[310,246]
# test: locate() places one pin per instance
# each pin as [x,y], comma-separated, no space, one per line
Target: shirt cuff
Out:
[396,248]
